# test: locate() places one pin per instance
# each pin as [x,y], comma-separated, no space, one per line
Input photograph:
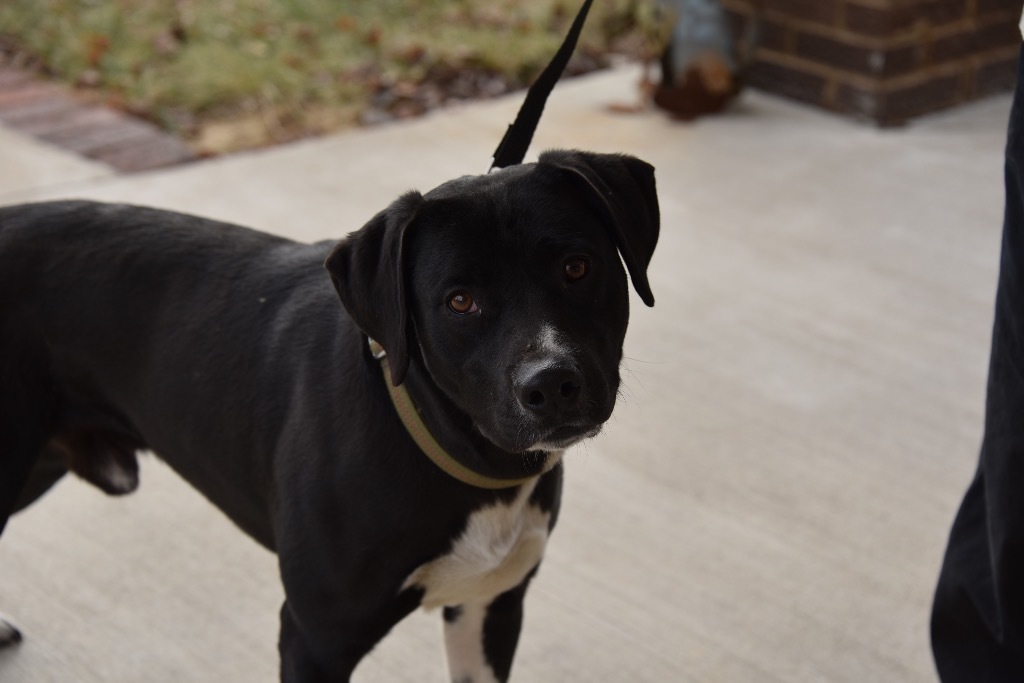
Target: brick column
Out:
[885,61]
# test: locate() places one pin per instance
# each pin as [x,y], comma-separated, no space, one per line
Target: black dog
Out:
[499,302]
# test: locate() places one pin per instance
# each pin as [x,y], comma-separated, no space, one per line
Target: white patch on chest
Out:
[500,545]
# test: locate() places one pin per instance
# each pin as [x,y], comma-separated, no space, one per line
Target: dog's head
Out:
[510,288]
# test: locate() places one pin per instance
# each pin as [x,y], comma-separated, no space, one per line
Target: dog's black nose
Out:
[549,390]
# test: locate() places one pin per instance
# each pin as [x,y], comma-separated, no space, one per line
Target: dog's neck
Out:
[446,436]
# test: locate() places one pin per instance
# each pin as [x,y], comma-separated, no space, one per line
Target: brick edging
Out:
[54,114]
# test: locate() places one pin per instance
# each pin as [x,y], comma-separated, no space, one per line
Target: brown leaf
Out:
[96,45]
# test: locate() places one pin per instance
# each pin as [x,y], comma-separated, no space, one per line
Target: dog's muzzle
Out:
[549,392]
[552,395]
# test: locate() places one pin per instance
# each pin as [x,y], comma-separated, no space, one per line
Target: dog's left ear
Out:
[623,187]
[367,269]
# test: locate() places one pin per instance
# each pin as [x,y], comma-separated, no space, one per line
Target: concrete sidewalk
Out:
[771,500]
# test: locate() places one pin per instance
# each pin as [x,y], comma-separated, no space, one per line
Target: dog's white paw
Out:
[8,634]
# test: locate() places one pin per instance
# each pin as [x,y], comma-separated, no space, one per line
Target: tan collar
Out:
[419,432]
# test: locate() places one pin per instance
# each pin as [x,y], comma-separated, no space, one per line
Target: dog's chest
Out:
[499,546]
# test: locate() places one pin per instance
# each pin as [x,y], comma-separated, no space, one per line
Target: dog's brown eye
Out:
[462,303]
[576,268]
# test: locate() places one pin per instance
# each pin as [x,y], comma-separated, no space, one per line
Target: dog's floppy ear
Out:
[623,186]
[367,270]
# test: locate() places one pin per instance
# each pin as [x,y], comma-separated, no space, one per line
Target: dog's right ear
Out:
[624,189]
[367,269]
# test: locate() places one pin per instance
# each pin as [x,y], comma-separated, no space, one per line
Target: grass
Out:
[271,70]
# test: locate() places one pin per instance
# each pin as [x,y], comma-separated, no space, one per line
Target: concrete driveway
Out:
[771,500]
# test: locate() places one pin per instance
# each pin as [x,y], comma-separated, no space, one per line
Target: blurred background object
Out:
[235,74]
[701,68]
[882,61]
[699,58]
[226,75]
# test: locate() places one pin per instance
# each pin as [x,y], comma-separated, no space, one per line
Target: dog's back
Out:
[98,299]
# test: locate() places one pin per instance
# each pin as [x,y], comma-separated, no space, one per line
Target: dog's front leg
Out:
[481,638]
[322,638]
[312,657]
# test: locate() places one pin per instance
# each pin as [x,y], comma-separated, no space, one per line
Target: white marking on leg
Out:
[464,644]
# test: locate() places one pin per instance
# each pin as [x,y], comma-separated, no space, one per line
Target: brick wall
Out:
[886,61]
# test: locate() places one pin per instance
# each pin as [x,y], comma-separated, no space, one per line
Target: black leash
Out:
[512,148]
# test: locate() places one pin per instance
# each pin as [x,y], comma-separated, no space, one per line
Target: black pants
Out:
[978,617]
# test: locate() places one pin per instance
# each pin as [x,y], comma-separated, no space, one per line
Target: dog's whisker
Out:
[631,359]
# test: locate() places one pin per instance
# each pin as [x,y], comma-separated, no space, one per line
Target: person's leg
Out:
[977,623]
